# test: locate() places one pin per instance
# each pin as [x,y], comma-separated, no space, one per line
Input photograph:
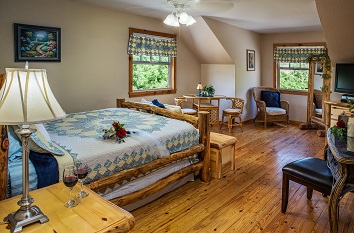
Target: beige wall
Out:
[298,104]
[93,70]
[236,40]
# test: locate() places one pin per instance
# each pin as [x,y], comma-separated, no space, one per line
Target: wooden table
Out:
[93,214]
[341,164]
[203,103]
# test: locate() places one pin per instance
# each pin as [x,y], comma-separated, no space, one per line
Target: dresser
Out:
[341,163]
[332,110]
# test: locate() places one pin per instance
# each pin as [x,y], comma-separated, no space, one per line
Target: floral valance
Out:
[152,46]
[296,55]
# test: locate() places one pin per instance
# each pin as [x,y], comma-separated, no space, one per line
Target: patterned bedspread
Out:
[81,135]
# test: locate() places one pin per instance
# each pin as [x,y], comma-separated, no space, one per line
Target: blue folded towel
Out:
[157,103]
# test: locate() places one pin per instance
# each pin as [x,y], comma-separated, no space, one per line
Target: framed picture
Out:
[250,54]
[37,43]
[318,68]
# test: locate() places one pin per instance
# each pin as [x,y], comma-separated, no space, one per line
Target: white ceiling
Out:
[263,16]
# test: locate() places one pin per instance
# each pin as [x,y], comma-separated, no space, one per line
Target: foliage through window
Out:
[152,57]
[293,76]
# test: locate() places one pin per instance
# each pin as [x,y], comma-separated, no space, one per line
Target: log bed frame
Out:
[203,150]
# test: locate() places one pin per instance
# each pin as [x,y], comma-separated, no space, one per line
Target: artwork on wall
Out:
[250,54]
[318,68]
[37,43]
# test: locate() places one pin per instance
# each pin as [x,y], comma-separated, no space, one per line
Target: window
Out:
[291,67]
[293,76]
[151,72]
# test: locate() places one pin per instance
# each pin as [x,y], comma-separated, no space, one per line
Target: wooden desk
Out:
[93,214]
[200,104]
[341,164]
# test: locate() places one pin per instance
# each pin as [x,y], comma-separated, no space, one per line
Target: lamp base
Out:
[25,216]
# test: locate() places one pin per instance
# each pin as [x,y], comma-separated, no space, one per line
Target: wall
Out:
[298,103]
[222,77]
[236,40]
[93,70]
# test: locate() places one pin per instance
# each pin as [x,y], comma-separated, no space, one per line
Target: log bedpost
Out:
[120,103]
[4,146]
[203,126]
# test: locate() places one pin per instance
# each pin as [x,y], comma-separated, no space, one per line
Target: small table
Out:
[93,214]
[341,164]
[201,105]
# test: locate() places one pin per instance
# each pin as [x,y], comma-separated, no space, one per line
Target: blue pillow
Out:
[15,149]
[271,99]
[157,103]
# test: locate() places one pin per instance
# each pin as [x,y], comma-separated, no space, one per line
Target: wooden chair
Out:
[189,111]
[232,113]
[269,114]
[317,103]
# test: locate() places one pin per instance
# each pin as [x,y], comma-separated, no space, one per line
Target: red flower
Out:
[121,133]
[341,124]
[115,125]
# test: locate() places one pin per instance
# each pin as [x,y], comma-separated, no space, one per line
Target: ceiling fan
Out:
[180,16]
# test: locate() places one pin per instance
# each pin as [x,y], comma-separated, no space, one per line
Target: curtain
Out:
[296,55]
[152,46]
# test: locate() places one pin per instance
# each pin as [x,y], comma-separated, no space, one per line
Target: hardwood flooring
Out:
[249,198]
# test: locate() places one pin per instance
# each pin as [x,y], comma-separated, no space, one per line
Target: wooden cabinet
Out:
[332,110]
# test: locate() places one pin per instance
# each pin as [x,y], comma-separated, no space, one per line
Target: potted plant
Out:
[209,90]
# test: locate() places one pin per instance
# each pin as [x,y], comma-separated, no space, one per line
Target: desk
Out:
[200,104]
[93,214]
[341,164]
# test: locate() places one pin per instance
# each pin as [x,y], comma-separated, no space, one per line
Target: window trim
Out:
[275,67]
[172,89]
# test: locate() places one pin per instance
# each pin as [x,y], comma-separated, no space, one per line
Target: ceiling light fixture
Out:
[179,16]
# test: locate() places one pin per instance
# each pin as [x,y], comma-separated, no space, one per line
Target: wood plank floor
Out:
[249,198]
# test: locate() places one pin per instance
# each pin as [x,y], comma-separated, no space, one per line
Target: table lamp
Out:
[26,98]
[199,88]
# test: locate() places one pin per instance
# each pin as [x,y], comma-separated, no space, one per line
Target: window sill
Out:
[294,92]
[151,92]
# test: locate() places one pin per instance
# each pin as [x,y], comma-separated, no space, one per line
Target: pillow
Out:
[157,103]
[40,141]
[271,99]
[15,149]
[173,108]
[144,101]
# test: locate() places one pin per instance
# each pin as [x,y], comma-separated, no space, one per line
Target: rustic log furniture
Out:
[222,154]
[93,214]
[203,150]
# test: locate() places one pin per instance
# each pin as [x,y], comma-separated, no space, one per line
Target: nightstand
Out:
[93,214]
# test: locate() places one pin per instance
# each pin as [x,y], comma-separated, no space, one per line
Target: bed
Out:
[118,175]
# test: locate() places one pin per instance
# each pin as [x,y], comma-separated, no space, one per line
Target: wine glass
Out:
[81,170]
[70,180]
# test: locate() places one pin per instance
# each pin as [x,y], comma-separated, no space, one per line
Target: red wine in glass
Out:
[81,170]
[70,179]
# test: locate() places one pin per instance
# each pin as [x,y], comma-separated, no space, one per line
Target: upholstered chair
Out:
[189,111]
[233,113]
[269,106]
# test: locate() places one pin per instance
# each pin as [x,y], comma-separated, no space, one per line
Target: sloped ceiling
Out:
[205,45]
[337,17]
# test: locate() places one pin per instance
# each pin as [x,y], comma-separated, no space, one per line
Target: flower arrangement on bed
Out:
[169,150]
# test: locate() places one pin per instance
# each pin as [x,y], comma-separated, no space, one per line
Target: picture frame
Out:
[319,68]
[37,43]
[251,57]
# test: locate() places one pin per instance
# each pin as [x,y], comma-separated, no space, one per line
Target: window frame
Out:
[275,66]
[172,79]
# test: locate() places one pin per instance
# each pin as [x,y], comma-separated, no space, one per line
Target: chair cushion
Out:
[318,111]
[311,170]
[189,111]
[271,98]
[275,111]
[232,110]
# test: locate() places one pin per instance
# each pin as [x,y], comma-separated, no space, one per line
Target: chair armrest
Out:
[261,105]
[284,105]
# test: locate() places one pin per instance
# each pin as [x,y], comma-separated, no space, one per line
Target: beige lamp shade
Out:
[26,98]
[200,86]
